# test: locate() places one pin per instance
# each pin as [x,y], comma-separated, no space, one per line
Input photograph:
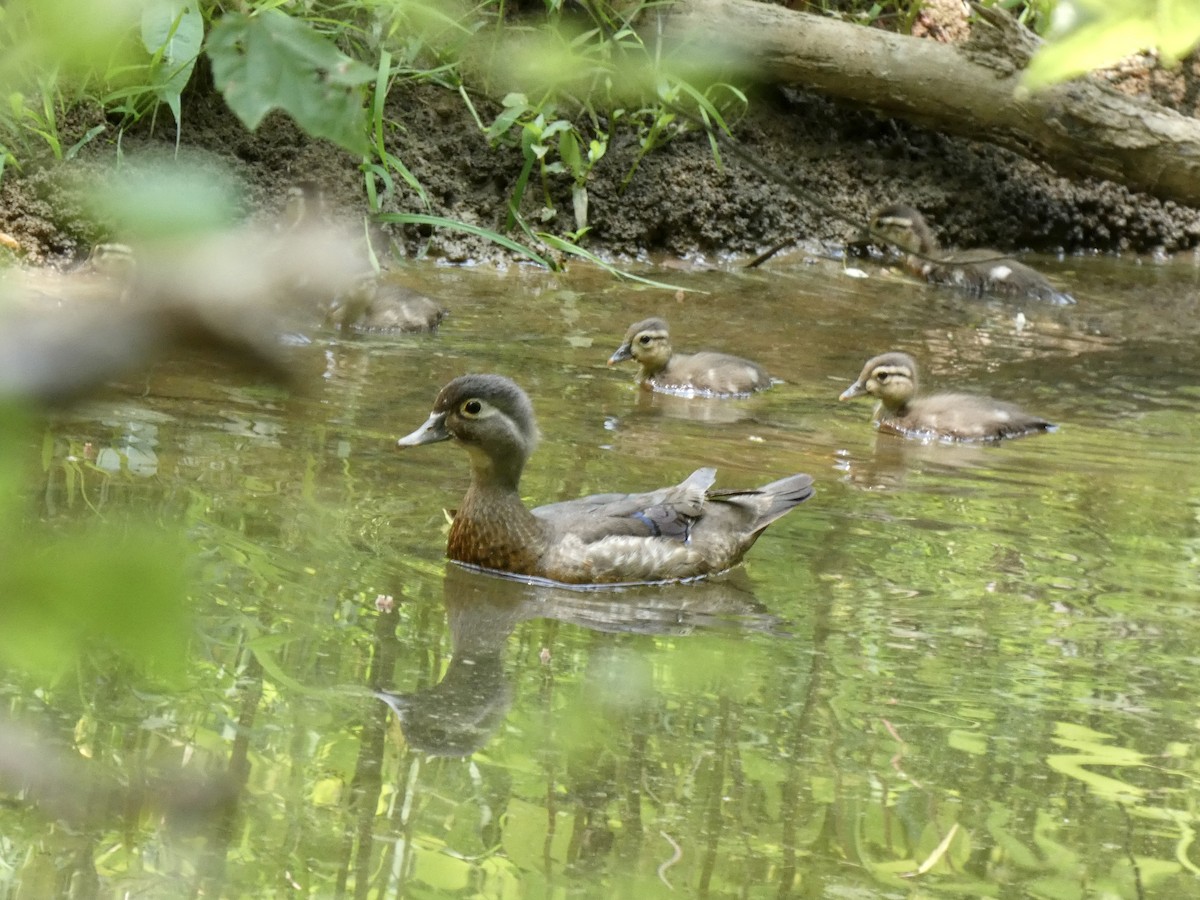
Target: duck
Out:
[892,379]
[678,533]
[979,271]
[382,303]
[694,374]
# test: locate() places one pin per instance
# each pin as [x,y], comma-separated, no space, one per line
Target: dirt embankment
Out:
[678,203]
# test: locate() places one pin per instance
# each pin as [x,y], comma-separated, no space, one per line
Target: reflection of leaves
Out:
[270,60]
[1015,852]
[1094,753]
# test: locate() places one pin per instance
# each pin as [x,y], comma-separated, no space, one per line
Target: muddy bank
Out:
[677,203]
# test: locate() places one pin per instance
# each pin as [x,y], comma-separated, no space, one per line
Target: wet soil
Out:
[838,163]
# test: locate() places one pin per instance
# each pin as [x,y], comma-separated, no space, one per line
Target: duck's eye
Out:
[644,340]
[882,376]
[471,408]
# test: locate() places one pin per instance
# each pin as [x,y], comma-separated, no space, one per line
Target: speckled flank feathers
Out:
[673,533]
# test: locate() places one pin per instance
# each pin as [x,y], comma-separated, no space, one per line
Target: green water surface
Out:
[962,671]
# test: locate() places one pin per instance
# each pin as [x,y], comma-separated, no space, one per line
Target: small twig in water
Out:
[675,857]
[1137,870]
[938,852]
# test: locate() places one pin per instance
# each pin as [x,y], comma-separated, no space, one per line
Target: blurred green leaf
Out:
[66,36]
[272,61]
[1093,47]
[100,589]
[1088,35]
[164,200]
[120,593]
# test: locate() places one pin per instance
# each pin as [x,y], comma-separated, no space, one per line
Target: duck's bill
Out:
[853,391]
[431,432]
[620,355]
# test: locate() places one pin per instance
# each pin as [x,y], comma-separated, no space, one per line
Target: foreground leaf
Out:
[272,61]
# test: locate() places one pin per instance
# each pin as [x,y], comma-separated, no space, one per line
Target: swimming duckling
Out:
[382,303]
[705,373]
[671,534]
[892,379]
[978,271]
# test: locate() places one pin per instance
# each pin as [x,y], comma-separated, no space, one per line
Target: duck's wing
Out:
[667,512]
[990,271]
[970,417]
[714,373]
[682,532]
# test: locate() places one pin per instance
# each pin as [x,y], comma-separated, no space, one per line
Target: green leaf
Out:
[567,247]
[1092,47]
[504,122]
[1090,34]
[1178,27]
[453,225]
[568,151]
[153,201]
[272,61]
[106,589]
[173,30]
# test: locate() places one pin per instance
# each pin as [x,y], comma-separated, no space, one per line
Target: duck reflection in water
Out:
[696,409]
[893,459]
[459,714]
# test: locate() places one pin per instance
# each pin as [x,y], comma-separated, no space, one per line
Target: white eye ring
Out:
[471,409]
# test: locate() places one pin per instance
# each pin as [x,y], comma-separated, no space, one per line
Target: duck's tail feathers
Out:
[772,500]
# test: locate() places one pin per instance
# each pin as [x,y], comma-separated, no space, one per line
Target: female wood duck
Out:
[705,373]
[670,534]
[892,379]
[977,271]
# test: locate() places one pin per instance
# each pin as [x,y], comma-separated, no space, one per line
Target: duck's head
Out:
[890,378]
[648,342]
[904,227]
[490,416]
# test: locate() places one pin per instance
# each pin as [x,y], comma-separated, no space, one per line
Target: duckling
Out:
[705,373]
[978,271]
[382,303]
[670,534]
[892,379]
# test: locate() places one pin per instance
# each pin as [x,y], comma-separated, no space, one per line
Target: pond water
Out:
[956,671]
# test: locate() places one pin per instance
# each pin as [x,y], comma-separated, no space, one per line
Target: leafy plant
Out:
[380,163]
[612,80]
[573,88]
[172,31]
[542,135]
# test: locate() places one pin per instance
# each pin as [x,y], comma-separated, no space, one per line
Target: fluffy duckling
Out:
[978,271]
[892,380]
[705,373]
[382,303]
[670,534]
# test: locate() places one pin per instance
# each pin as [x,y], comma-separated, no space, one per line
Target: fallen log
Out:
[1082,127]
